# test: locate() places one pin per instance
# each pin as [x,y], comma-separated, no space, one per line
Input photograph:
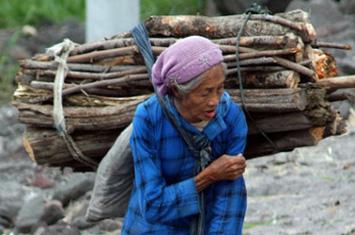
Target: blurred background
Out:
[307,191]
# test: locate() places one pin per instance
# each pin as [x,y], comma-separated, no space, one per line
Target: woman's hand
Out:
[225,167]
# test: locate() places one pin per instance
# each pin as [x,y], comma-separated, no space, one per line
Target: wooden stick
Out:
[91,76]
[264,40]
[257,54]
[332,45]
[52,65]
[337,82]
[339,96]
[280,61]
[97,55]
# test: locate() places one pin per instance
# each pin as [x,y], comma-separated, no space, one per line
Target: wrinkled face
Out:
[200,104]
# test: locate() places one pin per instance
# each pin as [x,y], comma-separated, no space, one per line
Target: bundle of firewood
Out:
[288,85]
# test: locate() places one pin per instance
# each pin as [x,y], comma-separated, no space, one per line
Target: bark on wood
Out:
[272,100]
[280,79]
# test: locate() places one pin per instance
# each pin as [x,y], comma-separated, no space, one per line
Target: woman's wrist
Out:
[204,179]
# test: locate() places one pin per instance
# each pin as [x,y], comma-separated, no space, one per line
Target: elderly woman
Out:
[189,75]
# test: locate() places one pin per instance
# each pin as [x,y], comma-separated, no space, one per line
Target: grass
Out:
[15,13]
[8,69]
[168,7]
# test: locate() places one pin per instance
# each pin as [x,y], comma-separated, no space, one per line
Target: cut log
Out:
[47,147]
[83,118]
[279,123]
[227,26]
[323,63]
[285,141]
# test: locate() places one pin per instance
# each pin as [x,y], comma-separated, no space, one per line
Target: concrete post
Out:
[105,18]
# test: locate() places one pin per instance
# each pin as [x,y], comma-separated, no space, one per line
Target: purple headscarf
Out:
[183,61]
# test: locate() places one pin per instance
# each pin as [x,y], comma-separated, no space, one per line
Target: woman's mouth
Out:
[210,114]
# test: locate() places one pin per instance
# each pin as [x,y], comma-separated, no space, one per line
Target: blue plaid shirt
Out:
[164,197]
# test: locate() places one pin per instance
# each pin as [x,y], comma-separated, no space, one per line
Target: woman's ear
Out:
[175,92]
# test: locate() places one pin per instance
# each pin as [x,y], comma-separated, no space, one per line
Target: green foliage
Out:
[8,70]
[168,7]
[20,12]
[33,12]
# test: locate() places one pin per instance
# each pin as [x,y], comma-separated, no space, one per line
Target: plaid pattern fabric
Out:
[164,197]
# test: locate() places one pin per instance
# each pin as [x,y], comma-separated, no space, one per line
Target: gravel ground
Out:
[308,191]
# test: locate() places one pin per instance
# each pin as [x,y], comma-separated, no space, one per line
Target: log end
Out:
[317,133]
[28,148]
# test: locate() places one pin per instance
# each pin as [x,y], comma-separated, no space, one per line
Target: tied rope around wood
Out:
[254,9]
[61,52]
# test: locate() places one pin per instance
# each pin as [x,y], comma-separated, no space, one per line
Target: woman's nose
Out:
[214,100]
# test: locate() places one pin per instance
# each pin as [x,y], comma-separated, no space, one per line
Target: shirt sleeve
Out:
[229,204]
[159,202]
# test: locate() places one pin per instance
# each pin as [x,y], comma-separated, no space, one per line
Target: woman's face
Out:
[201,103]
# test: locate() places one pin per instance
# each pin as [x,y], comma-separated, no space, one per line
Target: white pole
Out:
[105,18]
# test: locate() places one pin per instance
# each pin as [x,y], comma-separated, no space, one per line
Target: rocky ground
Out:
[306,191]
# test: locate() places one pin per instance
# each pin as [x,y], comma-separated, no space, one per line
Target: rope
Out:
[61,52]
[254,9]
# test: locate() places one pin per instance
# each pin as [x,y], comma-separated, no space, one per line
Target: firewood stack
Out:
[288,84]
